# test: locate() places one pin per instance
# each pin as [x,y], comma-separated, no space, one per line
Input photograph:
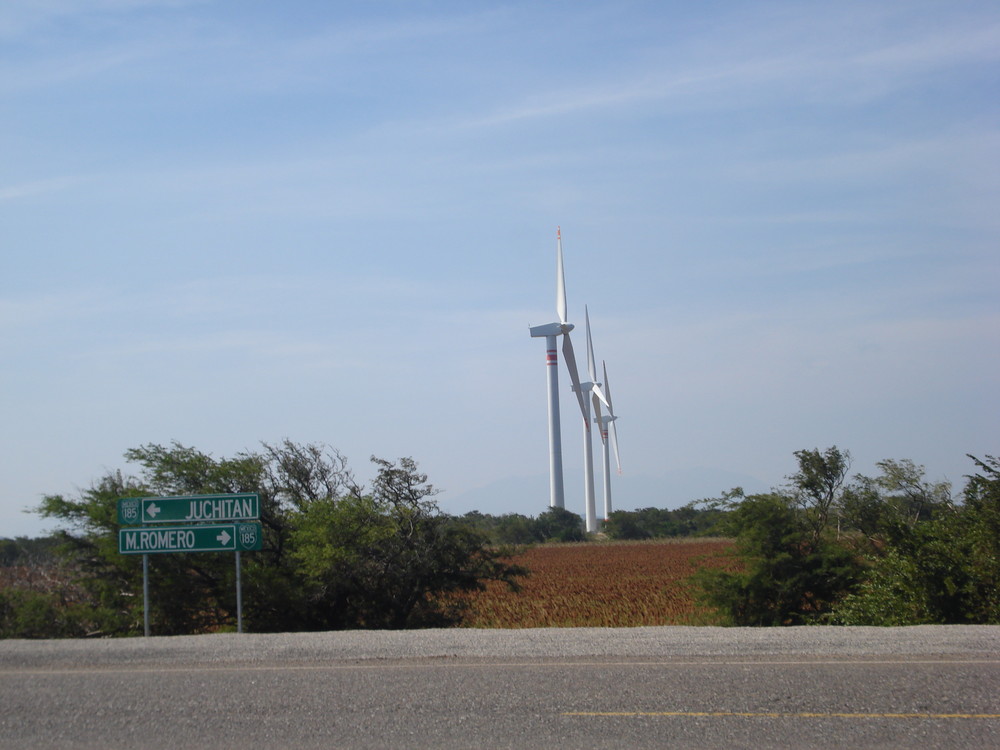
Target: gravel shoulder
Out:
[659,643]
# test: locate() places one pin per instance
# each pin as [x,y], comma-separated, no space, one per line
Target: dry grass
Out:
[603,585]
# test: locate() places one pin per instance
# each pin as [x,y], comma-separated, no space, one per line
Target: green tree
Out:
[794,568]
[886,508]
[37,598]
[390,559]
[514,528]
[38,614]
[816,486]
[26,551]
[653,523]
[559,525]
[391,543]
[789,576]
[629,525]
[553,525]
[981,514]
[934,561]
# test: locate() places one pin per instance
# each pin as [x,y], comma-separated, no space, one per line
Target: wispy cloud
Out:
[971,43]
[782,216]
[38,187]
[857,68]
[66,66]
[26,17]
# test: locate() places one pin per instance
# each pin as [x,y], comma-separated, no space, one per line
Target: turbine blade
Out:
[598,417]
[614,443]
[599,394]
[607,388]
[560,279]
[591,369]
[574,375]
[613,430]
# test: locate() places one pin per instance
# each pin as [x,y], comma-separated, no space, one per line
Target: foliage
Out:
[790,576]
[384,560]
[885,509]
[887,550]
[333,555]
[510,528]
[981,521]
[554,525]
[794,572]
[560,525]
[38,614]
[658,523]
[939,562]
[24,551]
[188,593]
[891,549]
[37,596]
[816,486]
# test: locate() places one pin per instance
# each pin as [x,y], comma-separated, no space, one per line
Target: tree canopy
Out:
[893,549]
[826,547]
[335,555]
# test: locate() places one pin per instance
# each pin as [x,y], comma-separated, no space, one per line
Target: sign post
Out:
[213,523]
[239,594]
[145,595]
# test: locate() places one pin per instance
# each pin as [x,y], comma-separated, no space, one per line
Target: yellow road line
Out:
[783,715]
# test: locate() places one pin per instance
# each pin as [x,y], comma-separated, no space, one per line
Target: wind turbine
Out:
[604,421]
[593,389]
[550,332]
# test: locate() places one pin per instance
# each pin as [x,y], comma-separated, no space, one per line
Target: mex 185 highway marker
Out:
[190,509]
[230,537]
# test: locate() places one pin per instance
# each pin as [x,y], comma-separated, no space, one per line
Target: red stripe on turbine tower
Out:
[551,358]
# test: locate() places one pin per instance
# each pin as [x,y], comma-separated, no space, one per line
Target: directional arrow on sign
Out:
[240,506]
[233,537]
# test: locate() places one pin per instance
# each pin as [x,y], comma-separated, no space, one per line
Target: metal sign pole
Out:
[145,595]
[239,595]
[142,534]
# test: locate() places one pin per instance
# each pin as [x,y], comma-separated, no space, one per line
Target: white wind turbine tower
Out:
[606,420]
[593,388]
[550,332]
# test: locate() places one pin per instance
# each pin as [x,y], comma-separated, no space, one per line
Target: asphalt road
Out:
[576,688]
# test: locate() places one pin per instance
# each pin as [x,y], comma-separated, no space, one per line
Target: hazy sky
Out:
[228,222]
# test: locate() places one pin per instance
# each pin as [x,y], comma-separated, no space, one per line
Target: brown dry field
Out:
[603,584]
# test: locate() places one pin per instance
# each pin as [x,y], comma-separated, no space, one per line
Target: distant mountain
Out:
[530,495]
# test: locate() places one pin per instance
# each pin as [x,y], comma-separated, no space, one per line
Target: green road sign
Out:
[229,537]
[237,507]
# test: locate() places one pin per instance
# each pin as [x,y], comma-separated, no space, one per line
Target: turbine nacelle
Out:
[550,329]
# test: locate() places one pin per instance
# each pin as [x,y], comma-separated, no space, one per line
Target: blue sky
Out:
[228,222]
